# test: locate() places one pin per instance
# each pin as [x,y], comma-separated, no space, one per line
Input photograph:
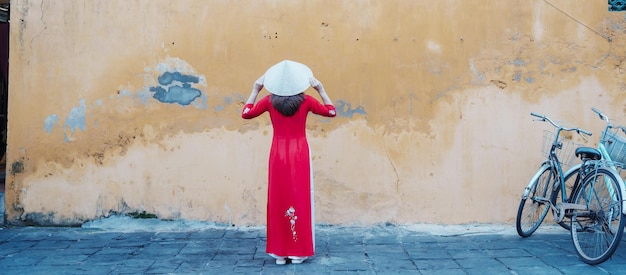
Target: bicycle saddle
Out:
[588,153]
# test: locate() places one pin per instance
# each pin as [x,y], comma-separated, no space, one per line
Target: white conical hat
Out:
[287,78]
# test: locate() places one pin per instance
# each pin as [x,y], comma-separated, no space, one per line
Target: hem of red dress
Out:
[280,255]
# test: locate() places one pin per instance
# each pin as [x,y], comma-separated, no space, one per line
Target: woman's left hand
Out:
[256,88]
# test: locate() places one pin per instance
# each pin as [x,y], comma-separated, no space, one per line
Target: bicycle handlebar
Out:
[545,118]
[607,120]
[602,116]
[537,115]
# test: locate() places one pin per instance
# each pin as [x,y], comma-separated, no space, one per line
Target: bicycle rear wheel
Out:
[597,230]
[535,202]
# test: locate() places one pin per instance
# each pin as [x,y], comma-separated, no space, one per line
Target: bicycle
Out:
[598,228]
[571,178]
[548,182]
[595,207]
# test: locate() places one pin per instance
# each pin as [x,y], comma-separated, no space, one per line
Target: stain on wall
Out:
[76,120]
[50,122]
[432,99]
[345,109]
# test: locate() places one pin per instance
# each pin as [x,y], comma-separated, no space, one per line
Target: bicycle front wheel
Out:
[535,205]
[597,230]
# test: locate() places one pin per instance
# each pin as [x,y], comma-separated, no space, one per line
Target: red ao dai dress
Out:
[290,221]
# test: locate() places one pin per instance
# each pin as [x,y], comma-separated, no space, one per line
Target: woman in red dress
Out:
[290,220]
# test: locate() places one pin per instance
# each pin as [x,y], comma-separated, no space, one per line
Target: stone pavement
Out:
[384,249]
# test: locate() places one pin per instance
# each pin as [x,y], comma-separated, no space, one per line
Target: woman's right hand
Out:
[320,89]
[258,84]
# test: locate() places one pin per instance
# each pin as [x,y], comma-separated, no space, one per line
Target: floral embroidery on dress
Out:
[291,214]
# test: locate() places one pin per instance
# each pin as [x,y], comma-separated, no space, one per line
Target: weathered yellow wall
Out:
[433,104]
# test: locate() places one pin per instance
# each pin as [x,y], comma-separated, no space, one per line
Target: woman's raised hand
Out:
[316,84]
[256,88]
[258,84]
[320,89]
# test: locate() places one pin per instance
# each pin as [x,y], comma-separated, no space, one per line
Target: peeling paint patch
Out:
[182,95]
[477,77]
[168,78]
[124,93]
[434,47]
[227,100]
[176,84]
[444,93]
[17,167]
[202,103]
[76,119]
[49,123]
[517,76]
[344,109]
[143,96]
[519,63]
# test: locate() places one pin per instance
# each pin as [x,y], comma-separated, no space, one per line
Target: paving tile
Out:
[9,262]
[522,261]
[436,264]
[53,244]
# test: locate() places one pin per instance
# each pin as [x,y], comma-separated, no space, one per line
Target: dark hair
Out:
[287,105]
